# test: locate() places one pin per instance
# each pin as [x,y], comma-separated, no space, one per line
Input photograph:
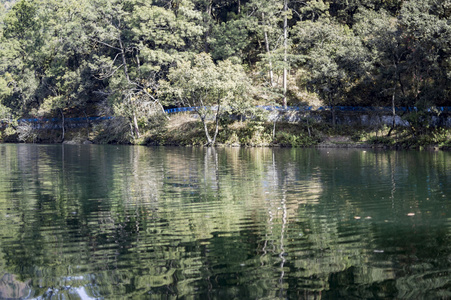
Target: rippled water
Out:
[114,222]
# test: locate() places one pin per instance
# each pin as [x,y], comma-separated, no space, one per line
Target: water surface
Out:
[114,222]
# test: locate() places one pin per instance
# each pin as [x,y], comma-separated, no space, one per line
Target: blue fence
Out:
[268,108]
[322,108]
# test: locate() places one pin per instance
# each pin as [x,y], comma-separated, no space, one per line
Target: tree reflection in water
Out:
[113,221]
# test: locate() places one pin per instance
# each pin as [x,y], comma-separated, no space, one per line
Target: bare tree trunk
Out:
[393,110]
[135,123]
[394,98]
[62,124]
[210,142]
[271,75]
[216,124]
[124,62]
[285,45]
[332,109]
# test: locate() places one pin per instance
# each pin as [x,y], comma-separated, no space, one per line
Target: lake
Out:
[115,222]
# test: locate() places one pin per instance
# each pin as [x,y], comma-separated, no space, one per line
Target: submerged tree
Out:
[210,89]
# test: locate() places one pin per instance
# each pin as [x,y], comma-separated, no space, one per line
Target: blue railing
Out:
[178,109]
[322,108]
[267,107]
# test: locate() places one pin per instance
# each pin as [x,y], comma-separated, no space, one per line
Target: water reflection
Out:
[107,221]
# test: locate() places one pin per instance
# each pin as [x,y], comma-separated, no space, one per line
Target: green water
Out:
[115,222]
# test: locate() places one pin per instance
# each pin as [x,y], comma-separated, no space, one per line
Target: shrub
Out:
[381,140]
[294,140]
[26,132]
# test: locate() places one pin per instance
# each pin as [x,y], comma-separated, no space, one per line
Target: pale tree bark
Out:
[210,140]
[393,99]
[393,108]
[202,113]
[268,51]
[285,45]
[135,123]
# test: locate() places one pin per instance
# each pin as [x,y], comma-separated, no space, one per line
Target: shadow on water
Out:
[108,222]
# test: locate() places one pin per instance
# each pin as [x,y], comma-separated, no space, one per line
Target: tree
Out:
[45,57]
[21,40]
[274,22]
[230,39]
[136,42]
[409,53]
[265,17]
[210,89]
[427,32]
[345,12]
[382,35]
[334,56]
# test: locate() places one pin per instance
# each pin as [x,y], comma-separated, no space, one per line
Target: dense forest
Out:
[134,58]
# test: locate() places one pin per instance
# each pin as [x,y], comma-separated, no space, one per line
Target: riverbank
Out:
[184,129]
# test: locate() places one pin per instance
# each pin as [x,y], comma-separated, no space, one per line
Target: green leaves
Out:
[208,87]
[202,82]
[229,39]
[67,54]
[22,21]
[334,56]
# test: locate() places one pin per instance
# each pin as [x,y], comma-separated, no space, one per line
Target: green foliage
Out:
[211,89]
[116,131]
[334,56]
[256,133]
[229,39]
[130,58]
[294,140]
[381,140]
[21,22]
[440,137]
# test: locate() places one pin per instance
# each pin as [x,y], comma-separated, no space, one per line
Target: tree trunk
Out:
[135,123]
[62,125]
[285,45]
[210,142]
[393,112]
[332,109]
[124,61]
[271,75]
[216,124]
[395,64]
